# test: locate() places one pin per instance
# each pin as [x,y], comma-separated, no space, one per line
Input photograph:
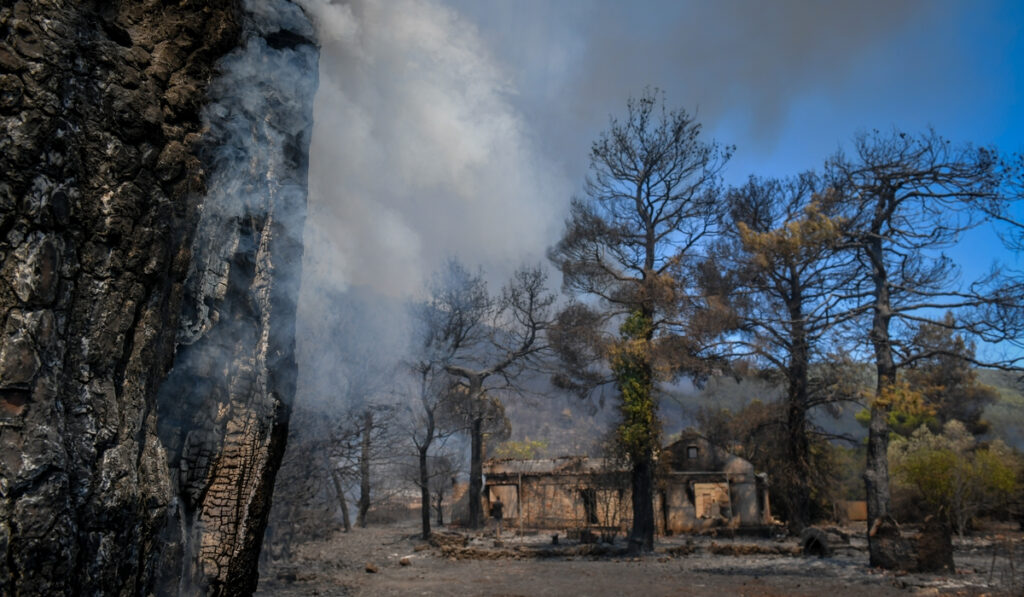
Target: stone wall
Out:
[150,266]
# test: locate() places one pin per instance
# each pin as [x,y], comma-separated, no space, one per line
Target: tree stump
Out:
[890,550]
[935,546]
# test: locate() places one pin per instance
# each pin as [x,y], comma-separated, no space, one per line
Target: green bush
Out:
[952,474]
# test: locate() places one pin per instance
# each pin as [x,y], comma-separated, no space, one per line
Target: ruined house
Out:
[699,486]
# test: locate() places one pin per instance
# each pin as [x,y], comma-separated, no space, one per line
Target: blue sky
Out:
[788,82]
[785,81]
[955,66]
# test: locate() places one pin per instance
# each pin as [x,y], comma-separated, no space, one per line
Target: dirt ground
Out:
[529,565]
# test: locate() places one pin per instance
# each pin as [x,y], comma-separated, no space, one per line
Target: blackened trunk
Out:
[364,468]
[424,491]
[342,502]
[147,356]
[424,449]
[476,474]
[646,440]
[641,536]
[440,505]
[876,474]
[798,485]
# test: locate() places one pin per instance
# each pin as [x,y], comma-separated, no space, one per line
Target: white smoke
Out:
[417,152]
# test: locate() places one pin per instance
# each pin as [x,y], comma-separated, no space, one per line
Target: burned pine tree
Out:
[363,446]
[651,205]
[778,268]
[367,436]
[906,198]
[433,390]
[424,433]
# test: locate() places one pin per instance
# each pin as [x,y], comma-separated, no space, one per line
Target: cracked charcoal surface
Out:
[151,212]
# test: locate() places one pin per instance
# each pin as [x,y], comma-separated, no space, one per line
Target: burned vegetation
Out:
[708,384]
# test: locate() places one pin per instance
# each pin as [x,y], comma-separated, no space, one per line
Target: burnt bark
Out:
[365,444]
[107,164]
[641,535]
[430,404]
[876,474]
[476,474]
[424,491]
[342,502]
[798,446]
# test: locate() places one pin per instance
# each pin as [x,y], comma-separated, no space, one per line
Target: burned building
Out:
[699,486]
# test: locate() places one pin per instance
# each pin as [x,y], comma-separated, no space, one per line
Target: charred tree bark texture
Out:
[876,474]
[424,479]
[339,491]
[476,473]
[364,468]
[641,534]
[798,447]
[118,227]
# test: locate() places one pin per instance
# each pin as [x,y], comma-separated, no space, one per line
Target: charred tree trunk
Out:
[876,475]
[127,257]
[639,431]
[364,468]
[339,490]
[799,482]
[440,507]
[641,536]
[798,446]
[424,491]
[476,474]
[424,446]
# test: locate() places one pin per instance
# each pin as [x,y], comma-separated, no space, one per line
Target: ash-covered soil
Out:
[464,563]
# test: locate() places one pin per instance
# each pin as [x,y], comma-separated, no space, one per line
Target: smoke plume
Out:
[418,152]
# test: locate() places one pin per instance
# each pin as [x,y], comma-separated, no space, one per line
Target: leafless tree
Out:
[442,471]
[908,198]
[483,342]
[366,443]
[429,418]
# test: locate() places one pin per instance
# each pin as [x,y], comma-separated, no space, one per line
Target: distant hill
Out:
[1007,415]
[572,426]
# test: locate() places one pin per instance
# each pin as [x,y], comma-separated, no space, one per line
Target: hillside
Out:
[571,425]
[1007,415]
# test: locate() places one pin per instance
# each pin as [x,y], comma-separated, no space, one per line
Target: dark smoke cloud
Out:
[742,66]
